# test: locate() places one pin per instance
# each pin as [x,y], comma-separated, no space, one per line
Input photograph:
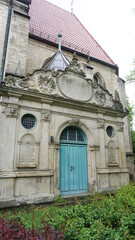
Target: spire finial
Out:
[59,35]
[71,5]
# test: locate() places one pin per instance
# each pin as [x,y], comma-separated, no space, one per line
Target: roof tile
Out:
[47,20]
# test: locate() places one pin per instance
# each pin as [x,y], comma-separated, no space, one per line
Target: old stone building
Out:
[63,119]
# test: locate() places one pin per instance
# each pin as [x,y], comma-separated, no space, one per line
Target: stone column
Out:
[100,125]
[44,140]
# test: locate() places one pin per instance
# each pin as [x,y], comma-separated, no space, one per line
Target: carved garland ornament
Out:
[100,97]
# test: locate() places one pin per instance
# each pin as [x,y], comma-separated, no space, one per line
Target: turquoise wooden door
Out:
[73,162]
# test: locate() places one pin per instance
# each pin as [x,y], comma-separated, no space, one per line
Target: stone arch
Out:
[76,123]
[111,153]
[27,148]
[98,78]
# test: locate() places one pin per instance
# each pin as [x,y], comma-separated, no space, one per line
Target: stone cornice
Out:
[60,101]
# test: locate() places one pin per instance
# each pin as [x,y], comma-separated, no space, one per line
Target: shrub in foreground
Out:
[15,230]
[110,218]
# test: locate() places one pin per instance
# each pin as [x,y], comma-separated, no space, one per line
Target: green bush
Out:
[111,217]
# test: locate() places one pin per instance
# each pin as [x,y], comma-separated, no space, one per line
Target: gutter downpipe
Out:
[5,42]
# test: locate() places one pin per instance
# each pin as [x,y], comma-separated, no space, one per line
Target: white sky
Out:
[111,23]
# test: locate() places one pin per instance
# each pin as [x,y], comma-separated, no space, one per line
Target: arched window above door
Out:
[72,134]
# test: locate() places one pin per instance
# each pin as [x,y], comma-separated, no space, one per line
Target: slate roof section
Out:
[47,20]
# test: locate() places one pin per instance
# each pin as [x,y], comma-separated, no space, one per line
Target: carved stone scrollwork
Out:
[100,123]
[11,81]
[117,104]
[18,82]
[45,116]
[95,85]
[11,111]
[100,97]
[120,127]
[46,82]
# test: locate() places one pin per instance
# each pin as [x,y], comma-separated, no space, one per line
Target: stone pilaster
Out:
[8,123]
[44,140]
[122,155]
[101,125]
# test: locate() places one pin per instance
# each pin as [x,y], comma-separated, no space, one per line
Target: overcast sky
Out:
[111,23]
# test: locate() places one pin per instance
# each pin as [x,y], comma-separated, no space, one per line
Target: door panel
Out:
[73,173]
[64,166]
[73,168]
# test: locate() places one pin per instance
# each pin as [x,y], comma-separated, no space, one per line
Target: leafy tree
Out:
[131,76]
[131,114]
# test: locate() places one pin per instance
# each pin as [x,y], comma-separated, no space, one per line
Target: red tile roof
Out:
[47,20]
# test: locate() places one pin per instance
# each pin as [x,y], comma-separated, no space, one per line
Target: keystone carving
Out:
[100,97]
[100,123]
[75,121]
[11,112]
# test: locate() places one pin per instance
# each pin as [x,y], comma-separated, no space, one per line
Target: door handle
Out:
[71,168]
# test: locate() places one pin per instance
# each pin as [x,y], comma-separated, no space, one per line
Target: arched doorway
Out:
[73,161]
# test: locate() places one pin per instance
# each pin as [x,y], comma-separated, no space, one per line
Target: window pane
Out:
[110,131]
[64,135]
[79,137]
[72,134]
[28,121]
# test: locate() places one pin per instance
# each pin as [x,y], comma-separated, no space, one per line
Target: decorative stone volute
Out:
[100,97]
[11,111]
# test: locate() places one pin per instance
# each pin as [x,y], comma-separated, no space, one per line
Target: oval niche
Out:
[75,87]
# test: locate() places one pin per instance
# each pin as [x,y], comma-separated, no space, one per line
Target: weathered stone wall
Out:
[30,161]
[17,45]
[3,21]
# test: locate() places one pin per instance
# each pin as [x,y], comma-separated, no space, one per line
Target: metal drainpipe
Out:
[5,42]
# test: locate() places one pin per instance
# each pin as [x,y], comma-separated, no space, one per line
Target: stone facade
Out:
[30,157]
